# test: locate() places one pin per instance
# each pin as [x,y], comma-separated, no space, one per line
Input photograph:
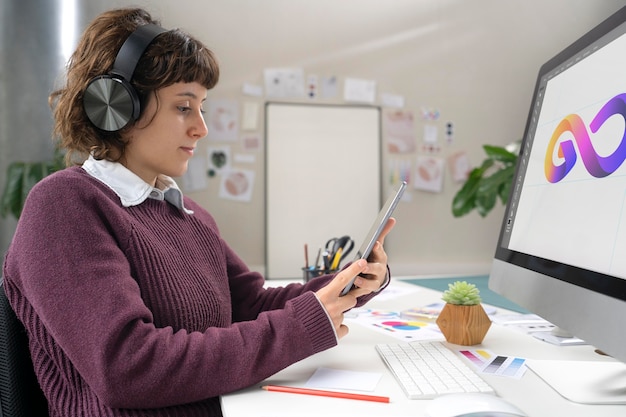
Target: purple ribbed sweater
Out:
[146,311]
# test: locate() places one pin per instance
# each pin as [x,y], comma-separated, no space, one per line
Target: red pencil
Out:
[322,393]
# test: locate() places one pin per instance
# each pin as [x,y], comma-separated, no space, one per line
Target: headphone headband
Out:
[133,48]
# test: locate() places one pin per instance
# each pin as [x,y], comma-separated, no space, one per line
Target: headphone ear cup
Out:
[111,103]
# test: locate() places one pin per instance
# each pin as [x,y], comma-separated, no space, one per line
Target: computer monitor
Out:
[561,252]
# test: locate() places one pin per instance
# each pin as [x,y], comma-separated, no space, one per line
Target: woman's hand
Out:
[333,302]
[377,265]
[370,276]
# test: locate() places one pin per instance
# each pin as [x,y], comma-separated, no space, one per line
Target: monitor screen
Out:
[562,246]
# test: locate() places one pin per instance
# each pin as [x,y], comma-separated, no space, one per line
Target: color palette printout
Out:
[486,362]
[392,323]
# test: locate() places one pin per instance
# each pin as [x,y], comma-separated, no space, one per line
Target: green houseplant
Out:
[489,182]
[21,177]
[463,320]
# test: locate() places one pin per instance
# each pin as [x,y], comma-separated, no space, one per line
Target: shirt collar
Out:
[130,188]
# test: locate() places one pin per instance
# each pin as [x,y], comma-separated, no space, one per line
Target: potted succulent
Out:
[463,320]
[489,182]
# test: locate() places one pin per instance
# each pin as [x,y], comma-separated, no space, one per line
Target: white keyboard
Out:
[428,369]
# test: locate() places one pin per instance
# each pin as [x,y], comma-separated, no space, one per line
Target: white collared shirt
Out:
[130,188]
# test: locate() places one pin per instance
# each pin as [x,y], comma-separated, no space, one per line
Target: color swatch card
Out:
[486,362]
[506,366]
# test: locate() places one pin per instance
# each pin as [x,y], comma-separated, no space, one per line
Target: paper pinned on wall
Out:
[429,174]
[392,100]
[245,158]
[250,119]
[430,113]
[311,85]
[223,120]
[284,82]
[237,185]
[399,131]
[459,166]
[252,90]
[358,90]
[218,159]
[251,142]
[400,170]
[195,177]
[430,133]
[329,87]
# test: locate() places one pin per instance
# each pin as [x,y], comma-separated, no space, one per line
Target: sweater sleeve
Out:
[86,312]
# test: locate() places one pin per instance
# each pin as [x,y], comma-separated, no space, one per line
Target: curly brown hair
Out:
[172,57]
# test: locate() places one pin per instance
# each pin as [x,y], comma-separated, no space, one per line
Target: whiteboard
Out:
[323,179]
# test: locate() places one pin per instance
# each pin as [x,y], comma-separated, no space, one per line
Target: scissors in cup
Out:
[345,243]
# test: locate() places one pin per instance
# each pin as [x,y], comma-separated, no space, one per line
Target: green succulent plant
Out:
[462,293]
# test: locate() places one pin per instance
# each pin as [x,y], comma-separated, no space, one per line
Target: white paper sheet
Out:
[327,378]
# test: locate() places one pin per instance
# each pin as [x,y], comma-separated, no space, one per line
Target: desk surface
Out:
[356,352]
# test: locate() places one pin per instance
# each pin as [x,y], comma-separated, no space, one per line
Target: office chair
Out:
[20,394]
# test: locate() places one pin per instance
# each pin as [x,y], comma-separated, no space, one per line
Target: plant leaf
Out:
[498,153]
[58,161]
[504,178]
[481,191]
[34,174]
[494,182]
[11,201]
[505,188]
[463,201]
[493,187]
[485,202]
[21,177]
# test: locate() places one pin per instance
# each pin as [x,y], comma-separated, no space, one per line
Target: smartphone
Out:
[376,229]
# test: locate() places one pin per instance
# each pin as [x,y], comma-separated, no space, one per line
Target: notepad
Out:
[327,378]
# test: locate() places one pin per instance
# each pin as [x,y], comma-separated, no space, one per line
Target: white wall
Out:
[475,61]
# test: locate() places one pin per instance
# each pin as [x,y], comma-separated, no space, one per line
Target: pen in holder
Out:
[310,273]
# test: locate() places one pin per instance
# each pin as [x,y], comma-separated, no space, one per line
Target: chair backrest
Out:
[20,394]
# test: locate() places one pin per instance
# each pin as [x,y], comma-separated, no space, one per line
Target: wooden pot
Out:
[464,325]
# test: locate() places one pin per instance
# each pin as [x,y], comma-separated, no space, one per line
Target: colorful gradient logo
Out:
[598,166]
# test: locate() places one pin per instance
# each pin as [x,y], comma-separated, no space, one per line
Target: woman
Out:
[133,303]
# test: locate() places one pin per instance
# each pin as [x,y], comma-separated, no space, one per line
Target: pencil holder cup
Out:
[310,273]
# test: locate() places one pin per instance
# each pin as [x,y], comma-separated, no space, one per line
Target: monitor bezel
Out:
[608,285]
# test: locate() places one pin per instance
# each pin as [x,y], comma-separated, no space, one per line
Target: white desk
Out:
[356,352]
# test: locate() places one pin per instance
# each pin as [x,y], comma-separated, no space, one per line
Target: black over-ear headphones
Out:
[110,101]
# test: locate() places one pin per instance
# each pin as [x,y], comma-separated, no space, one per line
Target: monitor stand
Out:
[585,382]
[559,337]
